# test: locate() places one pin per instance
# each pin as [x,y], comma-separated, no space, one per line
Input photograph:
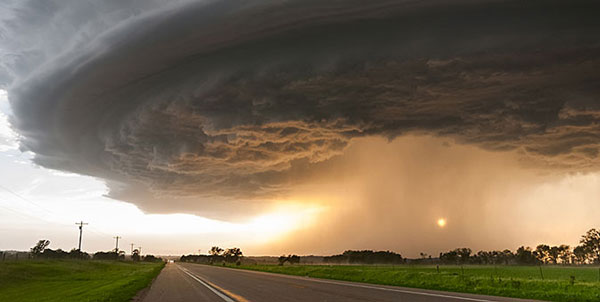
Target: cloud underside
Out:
[226,101]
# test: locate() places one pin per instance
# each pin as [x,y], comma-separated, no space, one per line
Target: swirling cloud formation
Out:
[230,99]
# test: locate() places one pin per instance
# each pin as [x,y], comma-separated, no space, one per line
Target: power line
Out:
[99,232]
[52,213]
[25,199]
[92,229]
[29,216]
[23,215]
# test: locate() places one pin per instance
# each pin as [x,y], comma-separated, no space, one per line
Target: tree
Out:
[135,255]
[524,255]
[39,248]
[456,256]
[553,253]
[110,255]
[215,251]
[294,259]
[54,254]
[463,254]
[542,253]
[232,255]
[564,254]
[282,259]
[152,258]
[77,254]
[484,257]
[450,257]
[507,256]
[591,243]
[580,254]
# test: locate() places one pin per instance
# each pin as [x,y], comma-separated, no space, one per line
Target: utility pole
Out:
[117,246]
[80,224]
[132,247]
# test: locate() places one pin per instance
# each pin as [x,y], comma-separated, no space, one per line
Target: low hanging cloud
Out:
[188,102]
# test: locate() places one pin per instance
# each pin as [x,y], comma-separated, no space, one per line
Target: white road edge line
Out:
[366,286]
[218,293]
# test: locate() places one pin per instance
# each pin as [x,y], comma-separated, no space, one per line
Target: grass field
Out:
[509,281]
[72,280]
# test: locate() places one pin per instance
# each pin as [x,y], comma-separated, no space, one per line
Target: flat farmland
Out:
[73,280]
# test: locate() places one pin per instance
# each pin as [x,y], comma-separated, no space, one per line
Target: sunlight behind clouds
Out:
[50,201]
[285,219]
[47,202]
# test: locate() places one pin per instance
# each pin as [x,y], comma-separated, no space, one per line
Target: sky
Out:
[306,127]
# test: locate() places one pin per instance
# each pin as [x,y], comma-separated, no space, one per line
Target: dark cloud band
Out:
[223,99]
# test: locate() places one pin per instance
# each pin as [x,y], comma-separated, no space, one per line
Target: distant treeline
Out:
[41,251]
[60,254]
[234,255]
[112,255]
[365,257]
[588,252]
[542,254]
[204,259]
[291,259]
[216,255]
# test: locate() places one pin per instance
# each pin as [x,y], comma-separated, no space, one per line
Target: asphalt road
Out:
[183,282]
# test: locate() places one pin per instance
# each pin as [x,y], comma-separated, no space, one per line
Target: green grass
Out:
[508,281]
[73,280]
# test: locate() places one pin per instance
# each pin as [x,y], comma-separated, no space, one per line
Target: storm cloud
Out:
[192,102]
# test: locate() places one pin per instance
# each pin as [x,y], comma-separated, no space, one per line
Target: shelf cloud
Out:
[198,105]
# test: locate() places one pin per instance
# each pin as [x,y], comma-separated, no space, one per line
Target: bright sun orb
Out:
[441,222]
